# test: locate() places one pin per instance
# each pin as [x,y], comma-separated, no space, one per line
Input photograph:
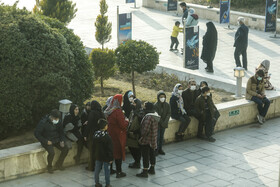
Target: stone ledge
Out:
[32,159]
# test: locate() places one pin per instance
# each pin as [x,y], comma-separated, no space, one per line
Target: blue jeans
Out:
[98,166]
[263,105]
[160,137]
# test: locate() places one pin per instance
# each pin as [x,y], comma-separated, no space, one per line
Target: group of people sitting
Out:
[124,121]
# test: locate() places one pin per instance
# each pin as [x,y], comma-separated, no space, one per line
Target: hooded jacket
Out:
[200,106]
[254,87]
[241,37]
[163,110]
[103,146]
[149,130]
[47,131]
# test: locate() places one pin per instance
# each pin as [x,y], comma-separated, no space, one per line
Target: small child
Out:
[174,35]
[103,152]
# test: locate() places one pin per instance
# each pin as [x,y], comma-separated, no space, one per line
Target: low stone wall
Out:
[252,20]
[32,159]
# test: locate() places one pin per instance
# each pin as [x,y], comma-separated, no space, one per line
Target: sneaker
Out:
[143,174]
[260,119]
[134,165]
[152,170]
[210,70]
[161,152]
[120,175]
[263,119]
[98,185]
[50,169]
[171,49]
[211,139]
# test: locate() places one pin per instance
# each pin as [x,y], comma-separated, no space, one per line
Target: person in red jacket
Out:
[117,125]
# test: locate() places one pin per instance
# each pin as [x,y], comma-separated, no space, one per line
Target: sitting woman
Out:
[265,67]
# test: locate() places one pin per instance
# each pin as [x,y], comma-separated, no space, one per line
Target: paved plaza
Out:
[242,156]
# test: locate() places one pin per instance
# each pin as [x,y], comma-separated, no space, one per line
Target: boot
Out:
[120,175]
[161,152]
[152,170]
[77,159]
[134,165]
[143,174]
[59,166]
[50,169]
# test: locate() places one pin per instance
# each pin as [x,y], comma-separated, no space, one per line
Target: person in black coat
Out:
[74,119]
[103,152]
[84,117]
[210,40]
[241,43]
[127,100]
[50,134]
[95,114]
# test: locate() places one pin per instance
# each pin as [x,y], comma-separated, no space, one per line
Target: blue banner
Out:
[172,5]
[224,11]
[192,48]
[129,1]
[270,15]
[125,28]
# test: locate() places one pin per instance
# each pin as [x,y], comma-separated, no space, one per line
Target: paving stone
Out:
[220,182]
[163,181]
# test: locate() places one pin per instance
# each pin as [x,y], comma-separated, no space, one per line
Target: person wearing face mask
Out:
[205,107]
[255,91]
[127,100]
[178,112]
[50,134]
[133,133]
[241,43]
[164,111]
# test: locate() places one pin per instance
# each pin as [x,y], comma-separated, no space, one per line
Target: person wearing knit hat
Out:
[241,43]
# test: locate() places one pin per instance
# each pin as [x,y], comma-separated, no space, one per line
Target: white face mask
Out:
[193,88]
[55,121]
[131,99]
[162,99]
[208,94]
[180,91]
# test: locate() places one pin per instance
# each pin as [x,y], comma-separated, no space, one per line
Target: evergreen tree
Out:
[103,27]
[63,10]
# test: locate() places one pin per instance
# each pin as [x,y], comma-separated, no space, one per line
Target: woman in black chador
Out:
[210,40]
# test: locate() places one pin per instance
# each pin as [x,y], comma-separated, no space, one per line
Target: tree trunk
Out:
[101,83]
[133,85]
[102,47]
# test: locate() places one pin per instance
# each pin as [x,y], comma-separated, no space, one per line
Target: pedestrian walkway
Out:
[155,27]
[242,156]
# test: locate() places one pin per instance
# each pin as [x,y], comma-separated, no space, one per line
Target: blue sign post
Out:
[271,15]
[191,48]
[225,12]
[172,5]
[124,27]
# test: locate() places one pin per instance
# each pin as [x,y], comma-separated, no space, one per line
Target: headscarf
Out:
[75,119]
[115,104]
[266,64]
[136,109]
[109,100]
[129,94]
[95,105]
[127,104]
[180,101]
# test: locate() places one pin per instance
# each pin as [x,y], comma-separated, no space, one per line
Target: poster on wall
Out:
[270,15]
[172,5]
[224,11]
[125,27]
[129,1]
[192,48]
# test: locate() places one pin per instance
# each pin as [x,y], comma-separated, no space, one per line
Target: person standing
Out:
[148,139]
[84,117]
[210,40]
[178,112]
[117,125]
[255,91]
[174,36]
[50,134]
[103,153]
[127,100]
[241,43]
[205,107]
[133,133]
[164,111]
[185,9]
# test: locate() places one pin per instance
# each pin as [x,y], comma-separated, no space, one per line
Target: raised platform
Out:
[31,159]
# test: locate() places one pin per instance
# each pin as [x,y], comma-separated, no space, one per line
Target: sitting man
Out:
[49,132]
[255,91]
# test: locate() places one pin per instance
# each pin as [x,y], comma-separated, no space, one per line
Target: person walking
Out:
[210,40]
[255,91]
[148,140]
[241,43]
[174,36]
[164,111]
[117,125]
[50,134]
[178,112]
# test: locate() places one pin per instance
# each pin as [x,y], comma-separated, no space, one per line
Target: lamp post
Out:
[64,106]
[239,72]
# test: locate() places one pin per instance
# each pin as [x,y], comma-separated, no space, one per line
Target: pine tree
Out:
[103,27]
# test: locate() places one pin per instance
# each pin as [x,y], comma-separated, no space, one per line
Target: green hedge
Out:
[41,62]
